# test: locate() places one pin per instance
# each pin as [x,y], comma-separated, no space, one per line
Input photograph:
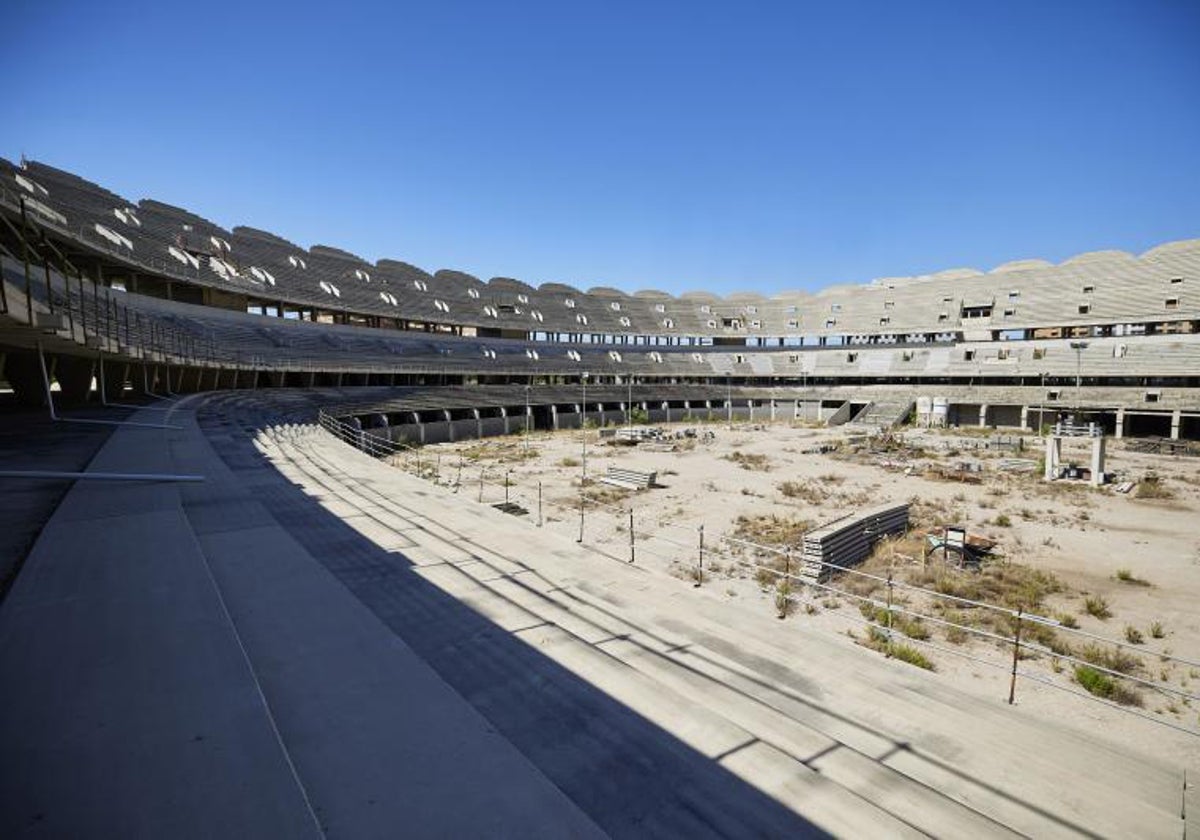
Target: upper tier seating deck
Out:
[1108,287]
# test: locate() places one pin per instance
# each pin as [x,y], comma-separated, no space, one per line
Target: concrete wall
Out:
[464,429]
[493,426]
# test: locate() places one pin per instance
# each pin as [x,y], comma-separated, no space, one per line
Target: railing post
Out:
[890,587]
[632,549]
[1012,685]
[581,503]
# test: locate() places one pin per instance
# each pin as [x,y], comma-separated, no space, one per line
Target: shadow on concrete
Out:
[627,774]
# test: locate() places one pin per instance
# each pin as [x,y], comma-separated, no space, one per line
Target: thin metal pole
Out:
[539,504]
[458,478]
[632,549]
[700,568]
[580,539]
[481,469]
[889,605]
[506,484]
[1012,685]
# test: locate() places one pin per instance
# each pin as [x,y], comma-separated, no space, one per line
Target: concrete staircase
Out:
[883,414]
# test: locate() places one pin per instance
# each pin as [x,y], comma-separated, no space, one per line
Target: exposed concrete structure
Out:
[394,655]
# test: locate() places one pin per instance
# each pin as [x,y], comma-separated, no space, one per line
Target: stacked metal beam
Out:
[848,541]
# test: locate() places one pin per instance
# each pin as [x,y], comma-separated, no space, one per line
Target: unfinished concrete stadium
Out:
[300,545]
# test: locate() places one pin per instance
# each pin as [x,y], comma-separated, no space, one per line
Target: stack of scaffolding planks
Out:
[848,541]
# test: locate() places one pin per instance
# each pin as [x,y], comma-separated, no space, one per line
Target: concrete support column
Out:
[504,417]
[983,412]
[478,425]
[1024,417]
[449,425]
[773,407]
[1120,423]
[1097,461]
[144,378]
[1053,456]
[1176,422]
[554,417]
[667,407]
[114,379]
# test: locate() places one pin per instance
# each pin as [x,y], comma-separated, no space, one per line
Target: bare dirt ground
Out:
[1062,548]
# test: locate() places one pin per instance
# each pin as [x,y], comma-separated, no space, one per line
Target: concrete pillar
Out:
[449,425]
[24,376]
[114,379]
[478,425]
[1024,417]
[141,377]
[667,407]
[1176,422]
[1120,423]
[1053,455]
[1098,461]
[554,417]
[773,407]
[983,412]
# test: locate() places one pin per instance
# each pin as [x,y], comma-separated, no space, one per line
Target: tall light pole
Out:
[1078,347]
[527,419]
[583,423]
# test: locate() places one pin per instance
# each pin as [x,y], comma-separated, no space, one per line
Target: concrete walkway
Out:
[313,643]
[175,666]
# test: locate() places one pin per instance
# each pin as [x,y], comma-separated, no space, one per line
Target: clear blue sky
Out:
[672,145]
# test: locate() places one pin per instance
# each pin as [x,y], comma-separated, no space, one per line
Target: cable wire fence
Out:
[628,531]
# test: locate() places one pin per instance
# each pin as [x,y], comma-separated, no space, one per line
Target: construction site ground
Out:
[768,483]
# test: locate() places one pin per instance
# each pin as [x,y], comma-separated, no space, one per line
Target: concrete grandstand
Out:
[276,634]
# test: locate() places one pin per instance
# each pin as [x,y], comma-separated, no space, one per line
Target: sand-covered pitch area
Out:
[1124,567]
